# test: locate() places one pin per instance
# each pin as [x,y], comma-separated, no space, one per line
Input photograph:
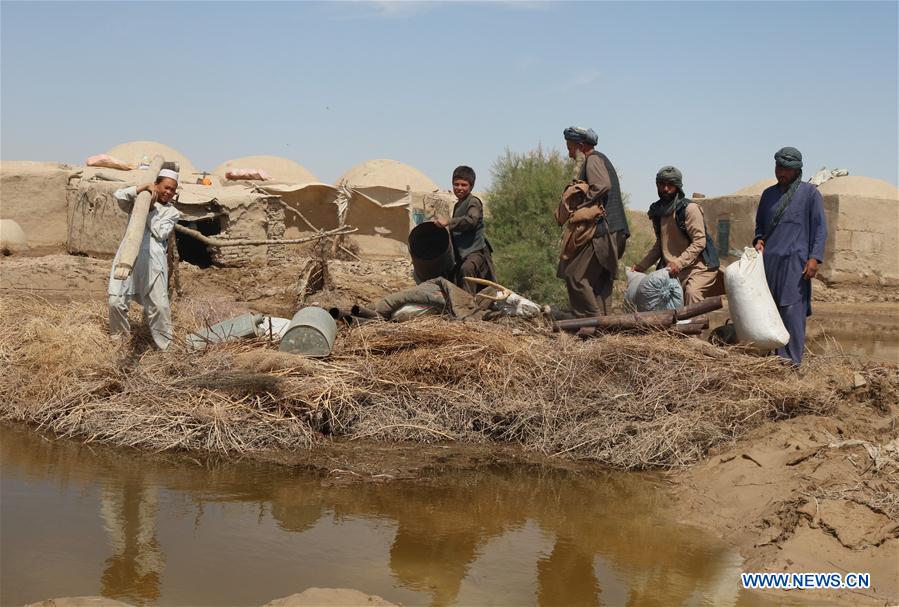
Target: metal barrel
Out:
[311,333]
[431,249]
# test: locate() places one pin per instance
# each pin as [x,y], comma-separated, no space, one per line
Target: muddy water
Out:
[873,338]
[79,520]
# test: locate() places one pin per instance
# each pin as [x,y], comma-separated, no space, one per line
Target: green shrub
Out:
[522,230]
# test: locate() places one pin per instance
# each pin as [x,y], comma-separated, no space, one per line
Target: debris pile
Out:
[628,401]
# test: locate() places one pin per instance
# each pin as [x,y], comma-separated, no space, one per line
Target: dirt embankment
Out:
[813,493]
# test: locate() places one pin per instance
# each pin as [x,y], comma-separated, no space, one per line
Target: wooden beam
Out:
[137,222]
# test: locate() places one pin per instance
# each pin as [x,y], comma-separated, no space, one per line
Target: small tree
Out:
[525,193]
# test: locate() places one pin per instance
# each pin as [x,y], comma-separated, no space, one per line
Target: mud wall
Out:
[33,194]
[95,222]
[736,214]
[862,235]
[262,218]
[245,222]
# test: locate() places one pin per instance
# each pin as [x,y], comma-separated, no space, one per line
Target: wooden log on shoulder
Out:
[137,222]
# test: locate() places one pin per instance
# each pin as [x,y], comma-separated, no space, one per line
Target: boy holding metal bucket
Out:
[466,226]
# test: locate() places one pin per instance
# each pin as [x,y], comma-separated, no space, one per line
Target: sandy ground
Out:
[311,597]
[792,496]
[806,495]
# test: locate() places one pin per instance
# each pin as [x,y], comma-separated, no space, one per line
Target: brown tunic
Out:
[591,270]
[697,280]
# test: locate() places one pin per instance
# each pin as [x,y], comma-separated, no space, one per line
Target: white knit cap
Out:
[168,173]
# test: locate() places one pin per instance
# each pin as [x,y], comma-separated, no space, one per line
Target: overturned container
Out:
[239,327]
[431,249]
[311,333]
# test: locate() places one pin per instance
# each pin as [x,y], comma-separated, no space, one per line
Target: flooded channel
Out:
[89,520]
[872,338]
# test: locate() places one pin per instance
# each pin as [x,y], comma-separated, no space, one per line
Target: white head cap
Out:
[168,173]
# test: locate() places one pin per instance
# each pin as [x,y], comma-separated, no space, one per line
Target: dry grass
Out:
[626,401]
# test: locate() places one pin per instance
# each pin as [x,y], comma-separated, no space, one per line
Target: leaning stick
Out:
[137,222]
[504,292]
[486,283]
[218,242]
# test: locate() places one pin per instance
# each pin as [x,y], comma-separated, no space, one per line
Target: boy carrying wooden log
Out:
[147,282]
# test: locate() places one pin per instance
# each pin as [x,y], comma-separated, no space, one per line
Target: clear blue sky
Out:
[714,88]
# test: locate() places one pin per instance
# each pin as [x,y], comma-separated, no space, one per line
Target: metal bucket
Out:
[311,333]
[431,249]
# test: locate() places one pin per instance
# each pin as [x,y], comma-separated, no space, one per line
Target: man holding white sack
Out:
[790,231]
[148,282]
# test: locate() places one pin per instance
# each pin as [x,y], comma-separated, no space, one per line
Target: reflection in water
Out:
[566,576]
[129,513]
[247,533]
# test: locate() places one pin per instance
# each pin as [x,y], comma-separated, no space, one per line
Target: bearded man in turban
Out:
[682,244]
[790,232]
[590,271]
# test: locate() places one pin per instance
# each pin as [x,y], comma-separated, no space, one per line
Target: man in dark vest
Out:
[682,244]
[467,229]
[591,270]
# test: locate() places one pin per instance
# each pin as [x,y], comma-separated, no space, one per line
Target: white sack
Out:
[752,308]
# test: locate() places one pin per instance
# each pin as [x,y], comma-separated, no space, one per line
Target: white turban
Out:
[168,173]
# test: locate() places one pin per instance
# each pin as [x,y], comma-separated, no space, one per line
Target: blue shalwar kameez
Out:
[798,237]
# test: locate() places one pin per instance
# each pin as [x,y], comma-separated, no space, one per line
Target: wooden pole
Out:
[641,320]
[709,304]
[137,222]
[638,320]
[218,242]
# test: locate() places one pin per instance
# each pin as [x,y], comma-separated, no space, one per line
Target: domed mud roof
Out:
[857,185]
[133,151]
[756,188]
[387,173]
[277,167]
